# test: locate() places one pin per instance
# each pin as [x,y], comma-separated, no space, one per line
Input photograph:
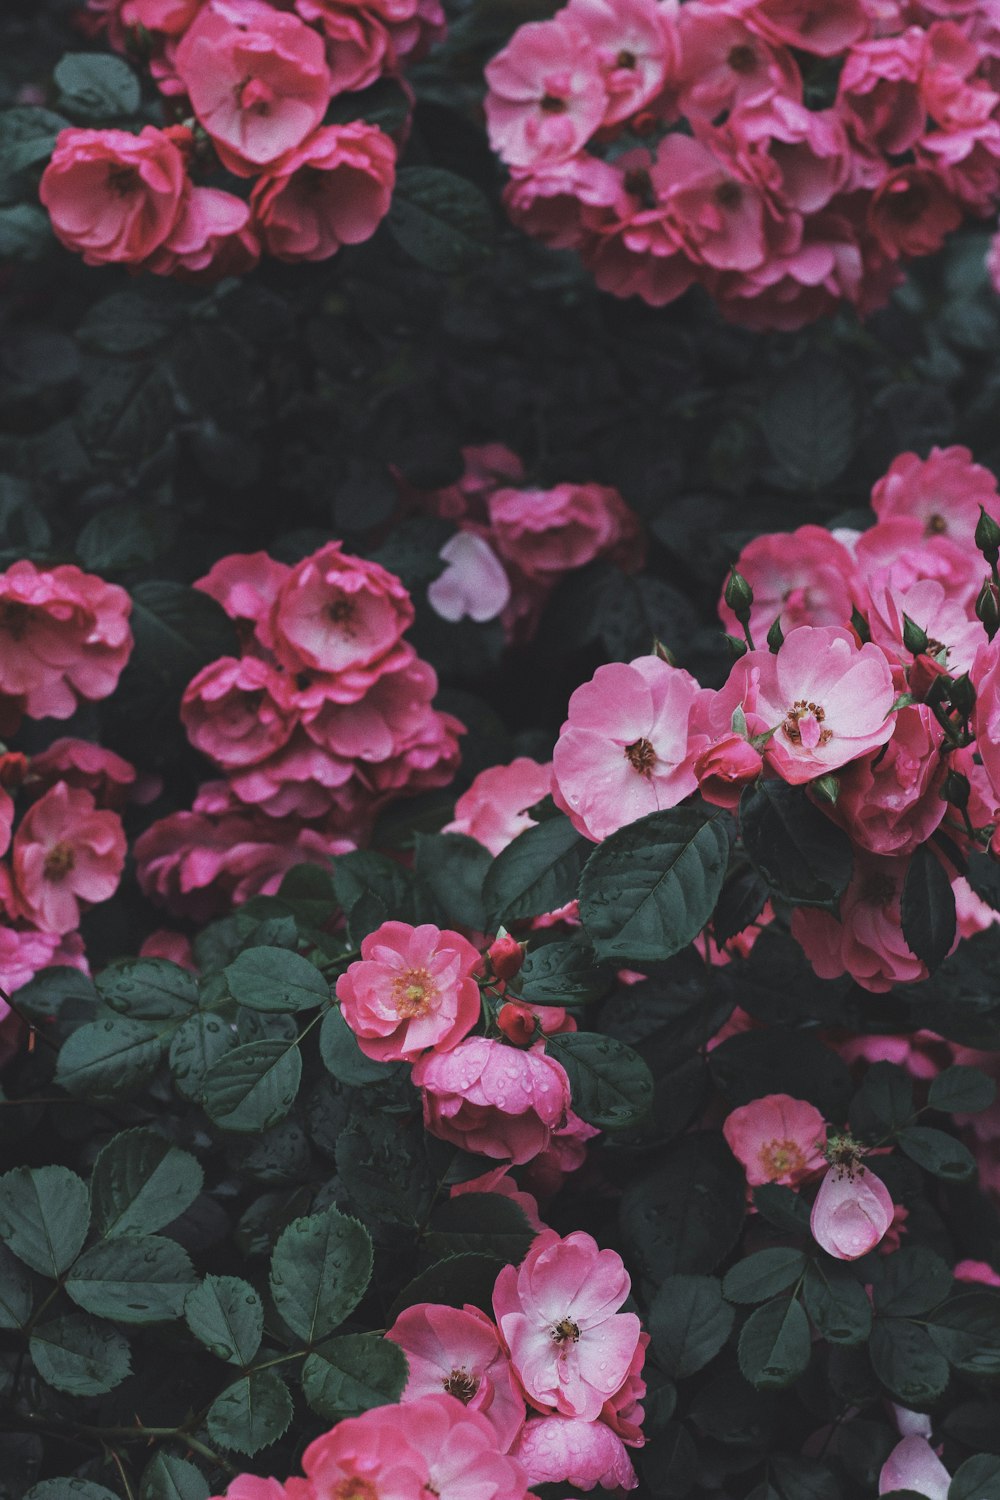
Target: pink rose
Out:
[558,1315]
[257,80]
[238,712]
[473,583]
[66,855]
[622,1411]
[334,190]
[634,43]
[249,1487]
[913,1465]
[550,532]
[497,1180]
[211,239]
[499,1101]
[808,157]
[413,988]
[879,95]
[852,1212]
[725,768]
[64,637]
[867,942]
[494,809]
[23,953]
[986,714]
[725,64]
[975,1272]
[912,212]
[715,210]
[825,27]
[110,780]
[245,584]
[459,1351]
[943,491]
[359,48]
[340,615]
[890,801]
[162,943]
[927,604]
[546,93]
[827,700]
[803,577]
[113,196]
[777,1139]
[556,1450]
[624,748]
[564,203]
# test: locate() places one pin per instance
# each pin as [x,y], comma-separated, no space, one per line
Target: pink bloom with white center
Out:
[913,1465]
[635,46]
[412,988]
[827,700]
[803,577]
[717,214]
[237,712]
[889,801]
[257,80]
[473,584]
[66,855]
[777,1139]
[624,749]
[546,94]
[459,1351]
[331,191]
[343,616]
[943,491]
[867,942]
[499,1101]
[556,1450]
[852,1212]
[64,637]
[550,532]
[245,584]
[495,808]
[558,1316]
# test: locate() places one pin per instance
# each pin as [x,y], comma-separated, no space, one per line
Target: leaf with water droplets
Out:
[197,1044]
[276,979]
[80,1355]
[537,872]
[320,1270]
[108,1060]
[349,1375]
[135,1279]
[251,1413]
[168,1477]
[140,1183]
[44,1216]
[611,1086]
[227,1316]
[254,1086]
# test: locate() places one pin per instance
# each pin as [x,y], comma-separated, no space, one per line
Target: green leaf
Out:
[983,874]
[775,1060]
[343,1058]
[561,974]
[254,1086]
[453,1281]
[800,1478]
[454,867]
[25,232]
[169,1478]
[108,1060]
[140,1183]
[782,1207]
[148,989]
[689,1323]
[810,420]
[938,1153]
[27,137]
[741,901]
[688,1212]
[905,1359]
[912,1281]
[251,1413]
[966,1330]
[383,1164]
[977,1479]
[79,1355]
[195,1047]
[669,1464]
[485,1223]
[227,1316]
[883,1104]
[276,979]
[798,851]
[763,1275]
[927,907]
[774,1345]
[440,219]
[537,872]
[44,1216]
[611,1086]
[320,1270]
[649,889]
[16,1296]
[97,86]
[69,1489]
[135,1279]
[838,1305]
[349,1375]
[961,1090]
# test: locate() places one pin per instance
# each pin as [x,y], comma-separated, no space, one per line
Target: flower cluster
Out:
[324,718]
[64,641]
[787,155]
[878,691]
[252,82]
[514,542]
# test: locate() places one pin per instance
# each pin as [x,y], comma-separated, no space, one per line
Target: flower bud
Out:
[852,1212]
[518,1023]
[739,596]
[775,636]
[915,638]
[737,647]
[956,789]
[725,768]
[506,955]
[988,537]
[923,675]
[13,770]
[963,695]
[988,607]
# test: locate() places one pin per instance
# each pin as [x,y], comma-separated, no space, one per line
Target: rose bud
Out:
[518,1023]
[852,1212]
[506,955]
[725,768]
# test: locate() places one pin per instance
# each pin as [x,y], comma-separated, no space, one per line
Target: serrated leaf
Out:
[195,1047]
[44,1216]
[140,1183]
[148,989]
[454,868]
[80,1355]
[561,974]
[966,1330]
[536,873]
[227,1316]
[254,1086]
[687,1213]
[134,1279]
[611,1086]
[774,1345]
[320,1270]
[167,1477]
[927,908]
[275,979]
[251,1413]
[349,1375]
[69,1489]
[913,1280]
[108,1060]
[453,1281]
[838,1305]
[689,1323]
[810,420]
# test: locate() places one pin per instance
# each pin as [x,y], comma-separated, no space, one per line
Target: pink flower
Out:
[473,584]
[334,190]
[623,750]
[889,801]
[867,942]
[340,615]
[459,1351]
[109,779]
[716,213]
[6,819]
[496,1100]
[803,577]
[986,714]
[827,700]
[550,532]
[23,953]
[808,157]
[114,196]
[246,584]
[976,1272]
[724,64]
[249,1487]
[371,1454]
[913,1465]
[912,212]
[928,605]
[211,239]
[257,80]
[359,48]
[64,636]
[162,943]
[725,768]
[852,1212]
[943,491]
[65,853]
[879,95]
[825,27]
[494,809]
[546,94]
[565,203]
[622,1411]
[571,1450]
[413,988]
[170,16]
[558,1315]
[238,712]
[497,1180]
[634,44]
[777,1139]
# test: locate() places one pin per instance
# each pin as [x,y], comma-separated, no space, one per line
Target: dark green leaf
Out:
[687,1213]
[226,1315]
[195,1047]
[454,868]
[670,1463]
[755,1063]
[838,1305]
[25,232]
[928,908]
[912,1281]
[938,1153]
[799,852]
[275,979]
[338,1047]
[453,1281]
[883,1104]
[967,1332]
[167,1477]
[983,874]
[254,1086]
[441,220]
[80,1355]
[134,1279]
[800,1478]
[741,901]
[69,1489]
[611,1086]
[97,86]
[961,1090]
[27,136]
[774,1345]
[320,1269]
[538,872]
[251,1413]
[810,420]
[349,1375]
[44,1216]
[107,1060]
[481,1223]
[782,1207]
[140,1183]
[561,974]
[977,1479]
[148,989]
[15,1291]
[906,1361]
[689,1323]
[763,1274]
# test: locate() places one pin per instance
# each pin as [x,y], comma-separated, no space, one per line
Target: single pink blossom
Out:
[867,940]
[332,190]
[852,1212]
[110,779]
[245,584]
[913,1465]
[889,800]
[500,1101]
[571,1450]
[546,533]
[494,810]
[803,577]
[725,768]
[66,855]
[546,93]
[777,1139]
[943,491]
[211,239]
[238,712]
[635,45]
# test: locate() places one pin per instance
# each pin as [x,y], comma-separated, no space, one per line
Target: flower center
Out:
[122,180]
[59,860]
[803,724]
[936,525]
[639,182]
[461,1384]
[742,58]
[728,194]
[641,755]
[256,96]
[779,1157]
[626,59]
[879,890]
[413,993]
[565,1332]
[14,618]
[551,105]
[355,1489]
[340,612]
